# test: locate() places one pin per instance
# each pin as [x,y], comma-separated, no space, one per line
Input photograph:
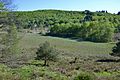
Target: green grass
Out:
[88,53]
[31,41]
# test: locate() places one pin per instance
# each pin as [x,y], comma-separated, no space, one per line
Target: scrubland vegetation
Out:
[93,59]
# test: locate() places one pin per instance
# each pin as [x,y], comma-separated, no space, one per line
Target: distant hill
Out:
[69,23]
[48,18]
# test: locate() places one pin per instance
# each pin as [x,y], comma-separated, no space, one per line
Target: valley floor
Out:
[91,57]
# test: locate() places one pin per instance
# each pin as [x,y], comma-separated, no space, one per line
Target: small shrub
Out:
[46,52]
[84,76]
[116,50]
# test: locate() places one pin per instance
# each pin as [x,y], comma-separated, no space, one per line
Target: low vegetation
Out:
[84,76]
[63,69]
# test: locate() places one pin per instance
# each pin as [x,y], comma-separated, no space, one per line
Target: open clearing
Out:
[91,57]
[70,46]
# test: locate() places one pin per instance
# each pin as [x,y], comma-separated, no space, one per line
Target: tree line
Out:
[96,26]
[91,31]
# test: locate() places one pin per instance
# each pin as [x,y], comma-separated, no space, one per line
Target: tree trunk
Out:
[45,62]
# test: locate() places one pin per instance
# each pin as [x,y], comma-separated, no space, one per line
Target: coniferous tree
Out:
[46,52]
[116,50]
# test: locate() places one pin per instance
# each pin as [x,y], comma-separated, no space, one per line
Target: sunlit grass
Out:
[30,41]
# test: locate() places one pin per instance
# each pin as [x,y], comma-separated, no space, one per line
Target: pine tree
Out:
[46,52]
[116,50]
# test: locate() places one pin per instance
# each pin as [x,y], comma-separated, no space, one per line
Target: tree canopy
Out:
[86,25]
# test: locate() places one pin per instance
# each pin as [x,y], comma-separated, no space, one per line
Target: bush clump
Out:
[84,76]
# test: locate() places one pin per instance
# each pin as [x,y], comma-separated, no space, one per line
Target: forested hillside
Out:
[97,26]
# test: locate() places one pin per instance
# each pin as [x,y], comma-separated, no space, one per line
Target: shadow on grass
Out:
[34,64]
[19,64]
[108,60]
[67,37]
[75,38]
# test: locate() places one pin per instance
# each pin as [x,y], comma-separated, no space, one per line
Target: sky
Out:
[71,5]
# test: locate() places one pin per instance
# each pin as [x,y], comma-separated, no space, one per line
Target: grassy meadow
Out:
[88,54]
[68,45]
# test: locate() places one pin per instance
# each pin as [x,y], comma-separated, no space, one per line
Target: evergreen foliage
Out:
[116,50]
[46,52]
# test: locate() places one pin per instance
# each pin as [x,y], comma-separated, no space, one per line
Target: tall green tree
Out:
[9,40]
[88,15]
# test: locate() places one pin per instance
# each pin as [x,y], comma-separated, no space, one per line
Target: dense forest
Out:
[98,26]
